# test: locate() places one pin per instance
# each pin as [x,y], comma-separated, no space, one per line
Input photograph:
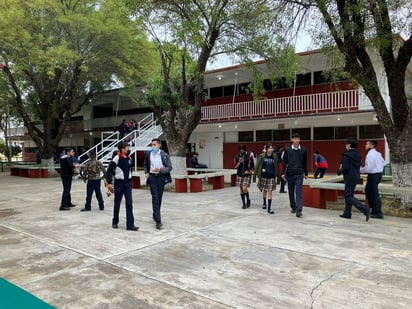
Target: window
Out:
[304,133]
[303,79]
[370,132]
[246,136]
[280,83]
[281,135]
[264,135]
[267,84]
[345,132]
[320,78]
[215,92]
[228,90]
[326,133]
[244,88]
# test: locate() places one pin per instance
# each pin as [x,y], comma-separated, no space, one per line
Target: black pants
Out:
[66,196]
[351,200]
[93,185]
[123,188]
[157,185]
[372,193]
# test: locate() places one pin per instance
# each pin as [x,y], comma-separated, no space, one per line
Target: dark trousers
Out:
[295,187]
[66,196]
[93,185]
[157,185]
[372,193]
[282,185]
[320,172]
[351,200]
[123,188]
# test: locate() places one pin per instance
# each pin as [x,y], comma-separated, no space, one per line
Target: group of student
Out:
[118,180]
[291,167]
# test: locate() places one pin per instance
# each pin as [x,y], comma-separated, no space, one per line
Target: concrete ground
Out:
[210,254]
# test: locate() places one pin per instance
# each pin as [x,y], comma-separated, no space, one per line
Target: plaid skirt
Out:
[243,181]
[267,184]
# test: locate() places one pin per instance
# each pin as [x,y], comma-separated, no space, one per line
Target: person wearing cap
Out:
[157,168]
[66,173]
[294,170]
[120,168]
[245,166]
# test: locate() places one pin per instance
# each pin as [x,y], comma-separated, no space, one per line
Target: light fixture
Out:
[219,77]
[338,118]
[236,126]
[375,118]
[220,125]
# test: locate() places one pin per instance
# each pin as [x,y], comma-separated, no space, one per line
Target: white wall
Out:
[210,148]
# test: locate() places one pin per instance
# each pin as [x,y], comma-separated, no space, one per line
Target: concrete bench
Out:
[29,171]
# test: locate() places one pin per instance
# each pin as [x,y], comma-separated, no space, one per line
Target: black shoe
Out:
[159,226]
[115,226]
[101,208]
[283,192]
[293,211]
[64,208]
[298,214]
[72,205]
[248,203]
[85,209]
[133,228]
[377,216]
[244,207]
[263,206]
[367,214]
[343,216]
[271,212]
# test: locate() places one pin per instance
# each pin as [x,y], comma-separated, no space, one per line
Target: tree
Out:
[9,150]
[191,33]
[362,30]
[57,55]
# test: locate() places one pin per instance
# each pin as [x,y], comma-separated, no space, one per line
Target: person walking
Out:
[244,165]
[120,168]
[93,173]
[374,164]
[294,170]
[66,173]
[157,168]
[279,152]
[267,170]
[321,165]
[350,168]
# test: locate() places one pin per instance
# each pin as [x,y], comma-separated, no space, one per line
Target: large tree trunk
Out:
[50,166]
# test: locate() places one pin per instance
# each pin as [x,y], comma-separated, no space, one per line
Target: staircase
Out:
[139,139]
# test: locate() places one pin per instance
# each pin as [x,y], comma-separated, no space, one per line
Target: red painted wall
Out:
[331,150]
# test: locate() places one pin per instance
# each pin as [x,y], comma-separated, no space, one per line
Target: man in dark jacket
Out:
[66,173]
[121,169]
[350,168]
[294,170]
[157,168]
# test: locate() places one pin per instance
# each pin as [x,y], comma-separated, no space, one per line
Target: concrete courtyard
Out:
[210,253]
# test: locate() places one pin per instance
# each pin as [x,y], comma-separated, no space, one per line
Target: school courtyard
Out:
[210,253]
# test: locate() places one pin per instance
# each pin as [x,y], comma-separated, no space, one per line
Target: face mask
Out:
[155,149]
[347,147]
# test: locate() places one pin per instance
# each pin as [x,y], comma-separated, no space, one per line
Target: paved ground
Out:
[210,254]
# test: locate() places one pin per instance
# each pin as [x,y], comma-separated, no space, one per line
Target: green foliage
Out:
[15,150]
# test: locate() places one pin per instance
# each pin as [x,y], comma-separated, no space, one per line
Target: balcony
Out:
[292,106]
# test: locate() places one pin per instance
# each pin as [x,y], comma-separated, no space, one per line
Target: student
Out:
[321,165]
[351,161]
[267,170]
[157,168]
[66,173]
[194,163]
[93,172]
[244,165]
[294,170]
[374,165]
[120,168]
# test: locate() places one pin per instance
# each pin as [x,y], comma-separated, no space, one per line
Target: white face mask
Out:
[347,146]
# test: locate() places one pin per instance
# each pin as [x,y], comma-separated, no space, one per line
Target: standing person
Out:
[67,172]
[350,166]
[374,165]
[321,165]
[194,161]
[122,128]
[121,169]
[157,168]
[93,173]
[244,165]
[279,152]
[294,170]
[267,170]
